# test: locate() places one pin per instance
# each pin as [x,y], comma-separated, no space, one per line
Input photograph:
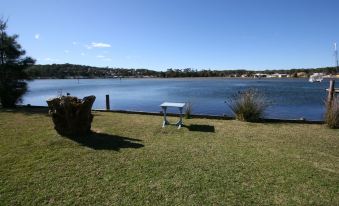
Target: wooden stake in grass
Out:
[332,108]
[107,102]
[330,92]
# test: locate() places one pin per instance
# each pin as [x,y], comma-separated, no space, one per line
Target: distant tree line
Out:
[62,71]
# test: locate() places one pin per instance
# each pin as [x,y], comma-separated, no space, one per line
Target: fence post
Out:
[330,92]
[107,102]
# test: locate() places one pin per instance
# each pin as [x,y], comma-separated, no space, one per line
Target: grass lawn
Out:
[131,160]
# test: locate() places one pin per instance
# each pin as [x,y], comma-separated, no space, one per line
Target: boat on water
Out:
[316,77]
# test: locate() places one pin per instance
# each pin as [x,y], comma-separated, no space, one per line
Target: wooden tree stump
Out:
[71,116]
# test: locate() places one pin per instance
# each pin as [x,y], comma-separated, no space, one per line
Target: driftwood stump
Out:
[70,115]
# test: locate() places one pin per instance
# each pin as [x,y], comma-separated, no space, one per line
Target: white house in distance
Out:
[277,75]
[259,75]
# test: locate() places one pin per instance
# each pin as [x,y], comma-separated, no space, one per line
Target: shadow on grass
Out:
[26,110]
[200,128]
[103,141]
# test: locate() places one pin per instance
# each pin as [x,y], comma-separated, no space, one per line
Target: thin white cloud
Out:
[100,56]
[97,45]
[100,45]
[74,43]
[37,36]
[47,59]
[66,51]
[82,54]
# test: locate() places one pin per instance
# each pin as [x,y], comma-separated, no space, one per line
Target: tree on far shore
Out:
[13,62]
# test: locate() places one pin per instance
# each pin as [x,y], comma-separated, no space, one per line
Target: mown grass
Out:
[131,160]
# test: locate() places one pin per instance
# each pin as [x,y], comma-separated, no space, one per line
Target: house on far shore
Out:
[277,75]
[260,75]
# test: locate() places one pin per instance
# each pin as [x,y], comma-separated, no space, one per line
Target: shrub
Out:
[248,105]
[332,114]
[188,110]
[11,92]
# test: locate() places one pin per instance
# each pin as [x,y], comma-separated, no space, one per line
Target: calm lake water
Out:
[289,98]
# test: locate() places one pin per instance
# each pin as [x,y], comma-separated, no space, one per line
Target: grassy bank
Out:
[131,160]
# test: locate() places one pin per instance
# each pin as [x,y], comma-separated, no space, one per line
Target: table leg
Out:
[165,119]
[180,123]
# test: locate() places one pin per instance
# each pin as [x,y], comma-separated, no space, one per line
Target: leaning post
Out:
[107,102]
[330,92]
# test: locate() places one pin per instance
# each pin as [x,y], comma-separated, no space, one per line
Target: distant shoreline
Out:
[242,78]
[71,71]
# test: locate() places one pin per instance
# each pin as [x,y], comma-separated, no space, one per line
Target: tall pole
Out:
[330,92]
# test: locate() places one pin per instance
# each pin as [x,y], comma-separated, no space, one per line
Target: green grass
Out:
[131,160]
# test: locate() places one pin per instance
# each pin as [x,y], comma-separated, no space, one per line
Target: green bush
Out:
[332,114]
[248,105]
[11,92]
[188,110]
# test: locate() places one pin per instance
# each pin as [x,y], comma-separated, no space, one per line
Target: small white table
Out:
[180,106]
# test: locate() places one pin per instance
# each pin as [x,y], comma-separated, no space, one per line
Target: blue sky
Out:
[162,34]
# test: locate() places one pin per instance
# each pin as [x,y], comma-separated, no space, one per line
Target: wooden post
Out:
[330,92]
[107,102]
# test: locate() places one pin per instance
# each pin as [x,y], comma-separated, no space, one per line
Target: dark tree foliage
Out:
[61,71]
[12,66]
